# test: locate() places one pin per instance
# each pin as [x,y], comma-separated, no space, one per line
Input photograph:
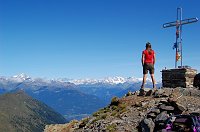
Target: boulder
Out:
[158,93]
[114,101]
[151,103]
[164,101]
[145,92]
[191,92]
[164,107]
[179,108]
[147,125]
[195,92]
[155,110]
[151,115]
[171,99]
[129,94]
[161,117]
[160,121]
[196,82]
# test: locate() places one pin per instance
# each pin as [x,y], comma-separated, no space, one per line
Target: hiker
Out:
[148,61]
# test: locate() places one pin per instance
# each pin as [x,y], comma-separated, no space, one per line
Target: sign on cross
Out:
[178,24]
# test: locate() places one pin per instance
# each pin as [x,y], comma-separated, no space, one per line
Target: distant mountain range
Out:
[73,98]
[21,113]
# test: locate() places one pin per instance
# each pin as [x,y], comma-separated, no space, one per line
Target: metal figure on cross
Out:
[178,24]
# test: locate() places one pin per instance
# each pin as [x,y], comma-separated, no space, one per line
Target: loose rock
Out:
[166,108]
[162,117]
[147,125]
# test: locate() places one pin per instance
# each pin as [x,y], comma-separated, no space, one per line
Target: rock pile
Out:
[134,113]
[182,77]
[172,104]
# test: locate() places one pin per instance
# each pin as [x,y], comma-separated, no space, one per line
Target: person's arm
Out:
[154,58]
[143,55]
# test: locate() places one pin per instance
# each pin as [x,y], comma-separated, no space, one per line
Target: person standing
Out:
[148,62]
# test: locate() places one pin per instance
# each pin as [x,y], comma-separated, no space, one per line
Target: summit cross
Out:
[178,24]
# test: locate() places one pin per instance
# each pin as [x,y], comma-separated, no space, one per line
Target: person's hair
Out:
[148,47]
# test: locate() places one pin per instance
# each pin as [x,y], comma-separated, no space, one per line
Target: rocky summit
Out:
[146,112]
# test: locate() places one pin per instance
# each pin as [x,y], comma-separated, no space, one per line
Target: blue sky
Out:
[92,38]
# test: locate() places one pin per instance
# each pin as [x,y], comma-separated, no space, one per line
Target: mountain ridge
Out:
[20,112]
[107,80]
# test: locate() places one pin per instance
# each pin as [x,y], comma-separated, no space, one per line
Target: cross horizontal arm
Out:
[188,21]
[170,24]
[183,22]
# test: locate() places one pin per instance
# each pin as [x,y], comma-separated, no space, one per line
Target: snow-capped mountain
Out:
[63,81]
[20,77]
[108,81]
[72,97]
[103,88]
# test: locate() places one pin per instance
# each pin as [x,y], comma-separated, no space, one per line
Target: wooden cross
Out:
[178,24]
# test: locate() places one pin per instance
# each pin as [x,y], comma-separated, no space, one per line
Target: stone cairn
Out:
[180,77]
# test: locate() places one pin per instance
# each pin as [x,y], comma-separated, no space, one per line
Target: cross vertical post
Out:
[178,46]
[181,17]
[178,43]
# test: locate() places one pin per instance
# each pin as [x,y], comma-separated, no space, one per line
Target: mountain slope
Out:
[20,112]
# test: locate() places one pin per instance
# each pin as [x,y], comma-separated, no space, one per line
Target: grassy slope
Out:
[19,112]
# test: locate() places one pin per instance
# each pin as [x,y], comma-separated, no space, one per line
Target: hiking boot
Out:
[142,92]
